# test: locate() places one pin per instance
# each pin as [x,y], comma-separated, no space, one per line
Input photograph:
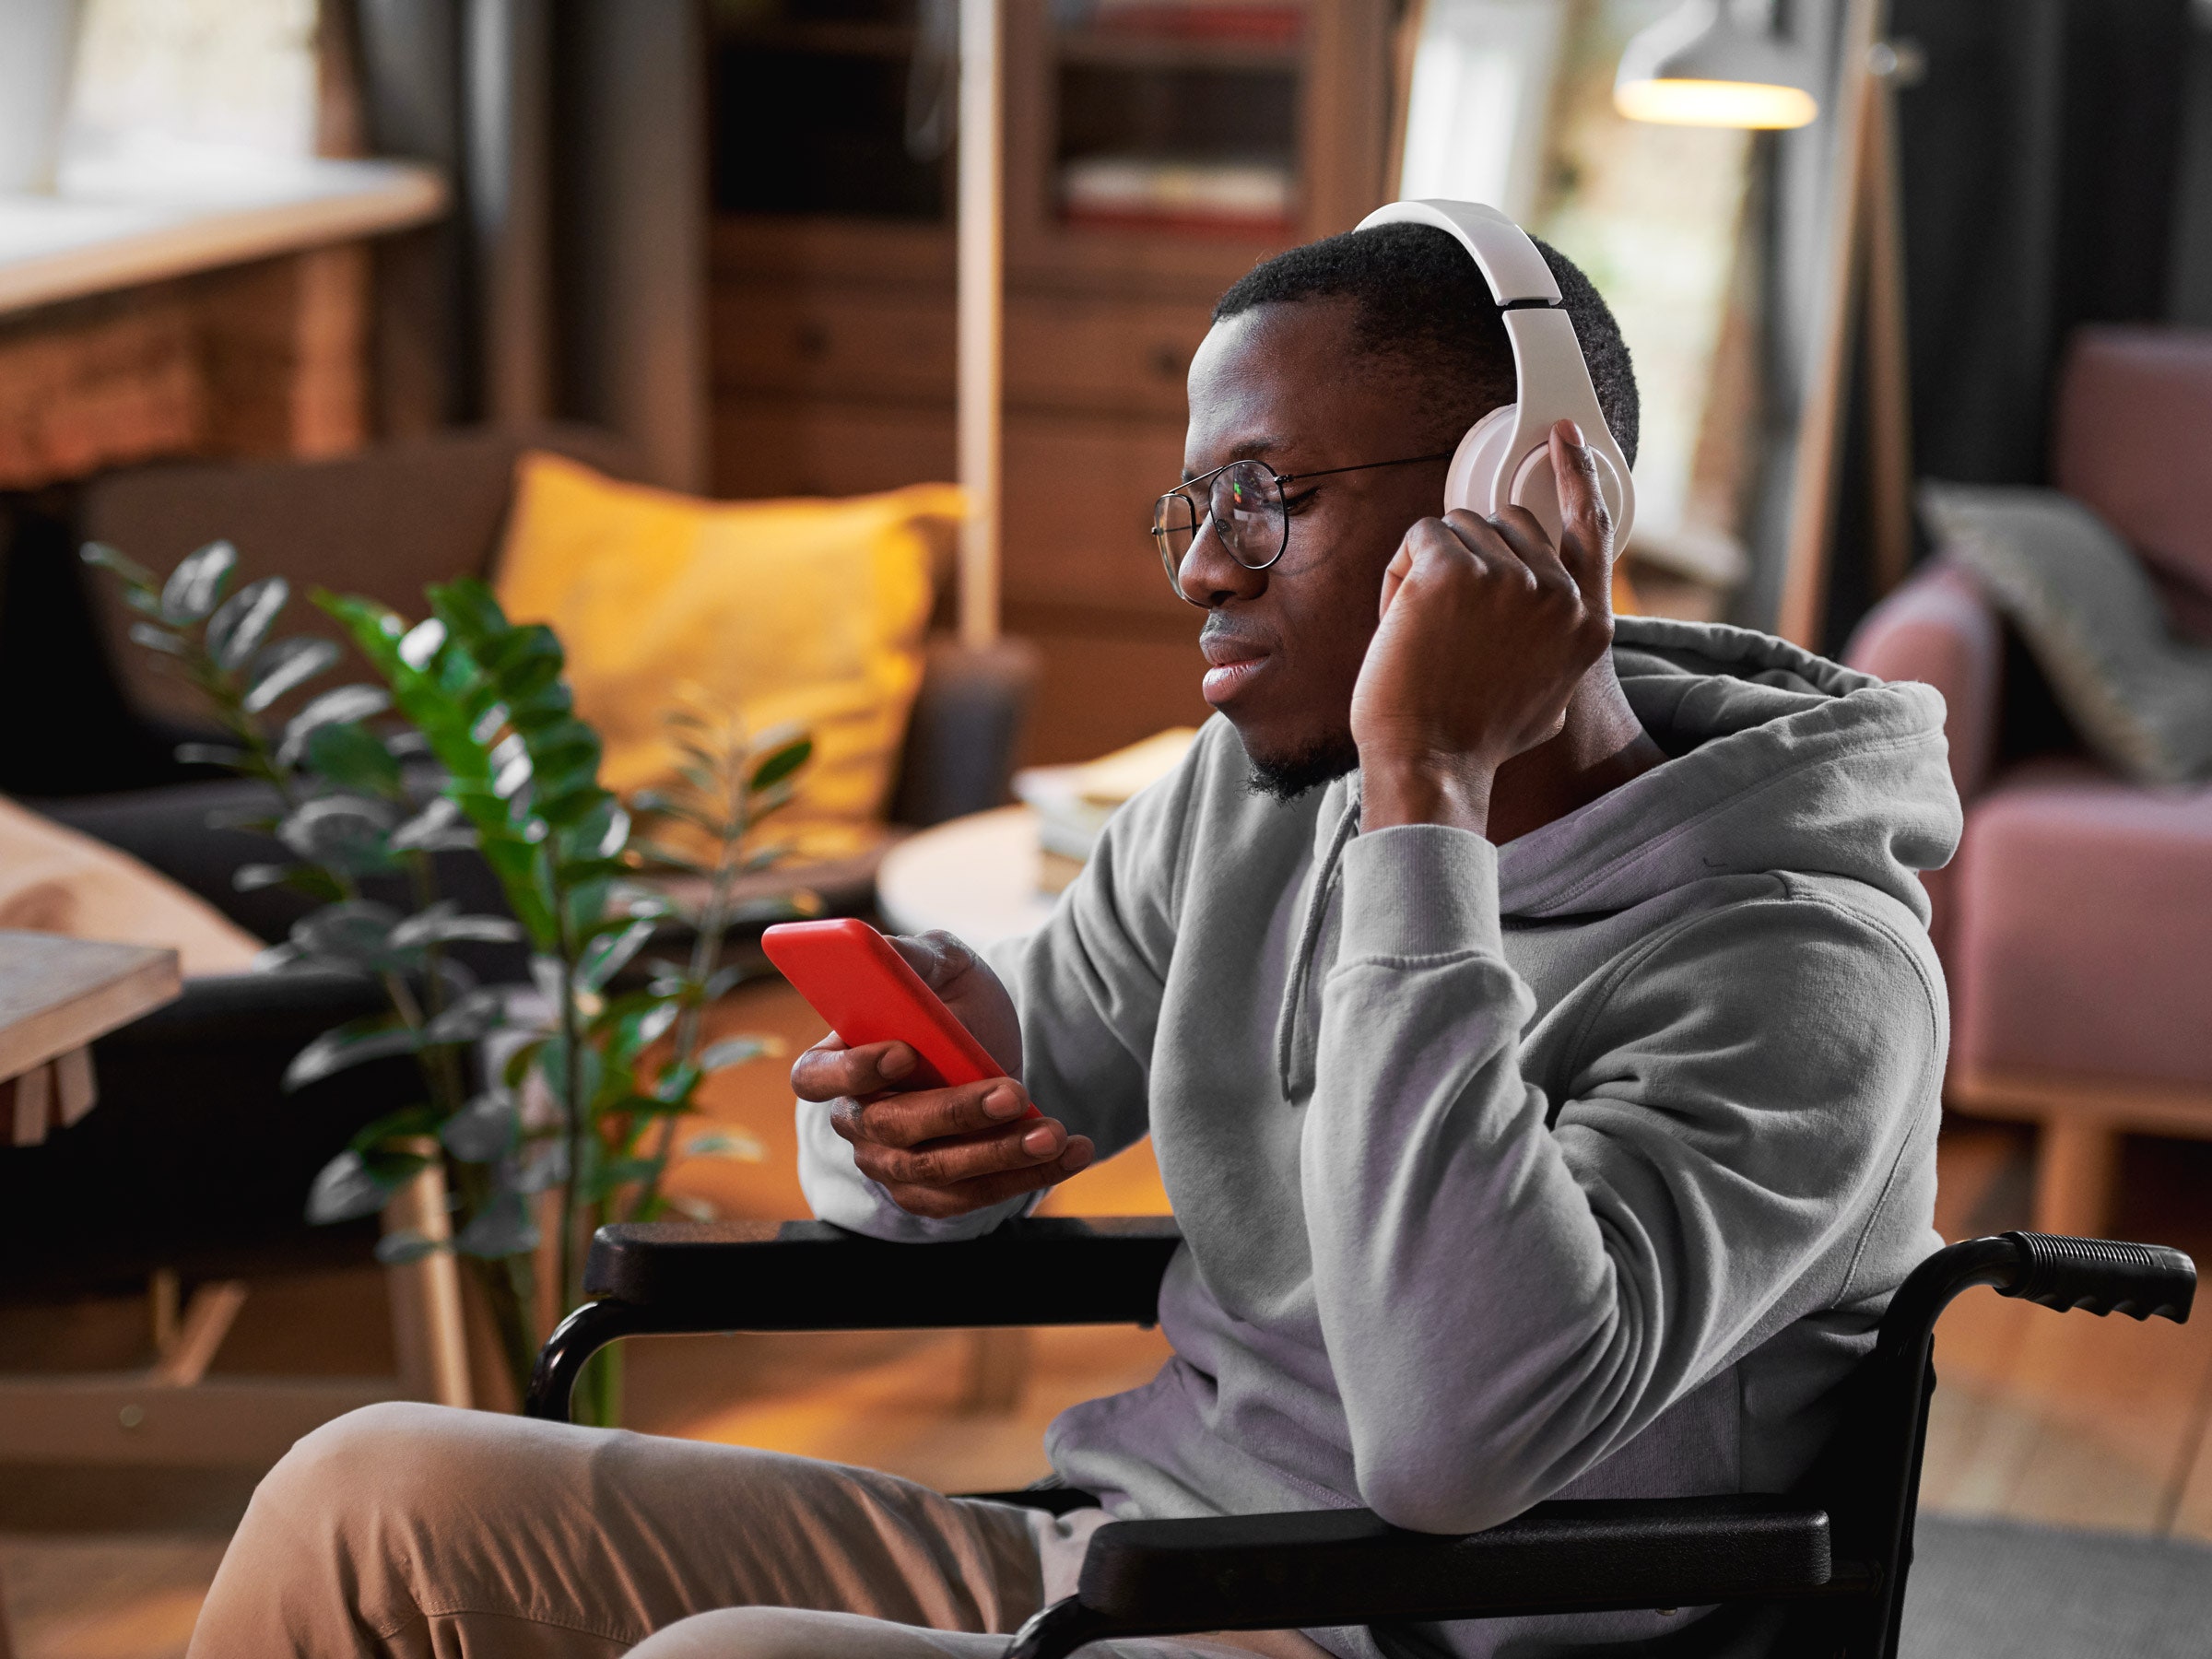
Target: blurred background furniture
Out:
[2073,925]
[194,1100]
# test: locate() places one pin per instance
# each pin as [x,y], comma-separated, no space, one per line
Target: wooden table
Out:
[57,995]
[979,878]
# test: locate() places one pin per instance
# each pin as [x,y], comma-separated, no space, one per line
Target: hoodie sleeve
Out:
[1634,1237]
[1088,986]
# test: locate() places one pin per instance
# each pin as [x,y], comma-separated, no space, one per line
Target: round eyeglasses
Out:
[1244,501]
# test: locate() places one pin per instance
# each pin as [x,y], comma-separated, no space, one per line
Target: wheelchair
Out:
[1823,1566]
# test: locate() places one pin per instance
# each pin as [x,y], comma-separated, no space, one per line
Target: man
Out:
[1540,1041]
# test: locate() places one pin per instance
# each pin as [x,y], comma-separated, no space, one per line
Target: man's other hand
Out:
[942,1152]
[1485,633]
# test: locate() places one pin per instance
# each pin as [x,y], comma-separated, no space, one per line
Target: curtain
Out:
[2040,154]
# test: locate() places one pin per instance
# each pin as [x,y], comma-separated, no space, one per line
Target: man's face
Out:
[1283,384]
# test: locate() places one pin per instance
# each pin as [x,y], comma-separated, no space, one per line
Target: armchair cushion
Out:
[2139,696]
[2079,943]
[804,611]
[2133,418]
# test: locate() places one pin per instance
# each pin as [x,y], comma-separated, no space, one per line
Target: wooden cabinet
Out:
[833,324]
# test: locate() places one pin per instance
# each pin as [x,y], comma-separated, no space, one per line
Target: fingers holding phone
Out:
[916,1069]
[942,1152]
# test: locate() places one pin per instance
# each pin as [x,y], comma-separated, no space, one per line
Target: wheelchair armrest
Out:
[660,1279]
[1347,1567]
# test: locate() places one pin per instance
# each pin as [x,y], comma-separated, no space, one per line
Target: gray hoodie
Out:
[1579,1167]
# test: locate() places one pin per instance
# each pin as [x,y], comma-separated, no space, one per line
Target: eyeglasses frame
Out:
[1279,479]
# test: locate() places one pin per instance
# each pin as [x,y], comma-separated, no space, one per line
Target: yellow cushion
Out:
[810,611]
[55,880]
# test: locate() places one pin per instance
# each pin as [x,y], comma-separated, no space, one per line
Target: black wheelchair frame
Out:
[1830,1559]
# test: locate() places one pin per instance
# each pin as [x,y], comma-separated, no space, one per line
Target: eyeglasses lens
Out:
[1246,506]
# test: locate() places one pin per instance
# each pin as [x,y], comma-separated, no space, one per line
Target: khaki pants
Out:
[415,1532]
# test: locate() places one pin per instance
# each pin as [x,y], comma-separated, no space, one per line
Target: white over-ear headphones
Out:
[1504,457]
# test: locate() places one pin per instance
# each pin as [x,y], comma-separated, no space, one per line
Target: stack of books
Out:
[1268,22]
[1073,803]
[1165,193]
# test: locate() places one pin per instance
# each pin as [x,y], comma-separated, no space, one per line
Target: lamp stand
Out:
[982,258]
[1862,295]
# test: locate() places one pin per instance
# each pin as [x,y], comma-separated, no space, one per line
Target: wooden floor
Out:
[2069,1420]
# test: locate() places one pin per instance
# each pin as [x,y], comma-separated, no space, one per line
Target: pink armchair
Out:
[2076,924]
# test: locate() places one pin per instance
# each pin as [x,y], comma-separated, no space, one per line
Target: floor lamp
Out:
[981,238]
[1862,294]
[1702,67]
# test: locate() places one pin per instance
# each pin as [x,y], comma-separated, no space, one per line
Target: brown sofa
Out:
[2076,924]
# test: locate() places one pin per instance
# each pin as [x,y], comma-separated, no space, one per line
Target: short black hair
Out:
[1422,301]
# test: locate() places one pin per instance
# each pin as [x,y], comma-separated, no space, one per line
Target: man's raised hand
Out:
[1487,631]
[942,1152]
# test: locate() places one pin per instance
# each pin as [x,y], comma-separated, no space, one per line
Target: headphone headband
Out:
[1504,457]
[1503,252]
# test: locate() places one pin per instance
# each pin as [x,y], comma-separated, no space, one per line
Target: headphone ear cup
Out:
[1473,481]
[1535,487]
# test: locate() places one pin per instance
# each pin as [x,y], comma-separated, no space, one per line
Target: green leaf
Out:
[442,925]
[159,638]
[664,860]
[727,1142]
[343,832]
[503,1228]
[103,557]
[356,1042]
[468,609]
[736,1050]
[197,583]
[575,872]
[605,957]
[353,757]
[244,620]
[345,704]
[781,765]
[344,1190]
[467,1019]
[408,1123]
[485,1130]
[437,828]
[355,934]
[398,1249]
[210,754]
[285,666]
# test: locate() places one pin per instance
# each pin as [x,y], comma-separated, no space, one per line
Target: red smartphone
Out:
[865,989]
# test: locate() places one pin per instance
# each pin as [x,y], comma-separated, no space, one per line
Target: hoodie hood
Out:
[1777,759]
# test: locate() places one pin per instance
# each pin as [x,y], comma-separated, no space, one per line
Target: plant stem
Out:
[571,1036]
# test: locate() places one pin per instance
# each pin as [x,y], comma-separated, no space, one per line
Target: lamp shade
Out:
[1697,66]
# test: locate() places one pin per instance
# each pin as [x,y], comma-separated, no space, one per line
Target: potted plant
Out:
[467,738]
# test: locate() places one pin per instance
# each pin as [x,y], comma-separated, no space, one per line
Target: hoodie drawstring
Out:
[1309,939]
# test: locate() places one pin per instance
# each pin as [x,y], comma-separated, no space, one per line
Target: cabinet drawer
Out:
[775,447]
[1062,352]
[1118,355]
[1078,496]
[1078,511]
[826,341]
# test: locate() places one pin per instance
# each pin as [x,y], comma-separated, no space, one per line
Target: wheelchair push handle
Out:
[2103,1275]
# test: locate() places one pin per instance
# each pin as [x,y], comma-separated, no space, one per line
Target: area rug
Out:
[2000,1589]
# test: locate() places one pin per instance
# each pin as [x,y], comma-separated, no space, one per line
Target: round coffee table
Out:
[976,878]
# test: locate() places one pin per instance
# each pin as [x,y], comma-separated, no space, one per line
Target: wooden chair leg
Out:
[999,1365]
[428,1328]
[2077,1159]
